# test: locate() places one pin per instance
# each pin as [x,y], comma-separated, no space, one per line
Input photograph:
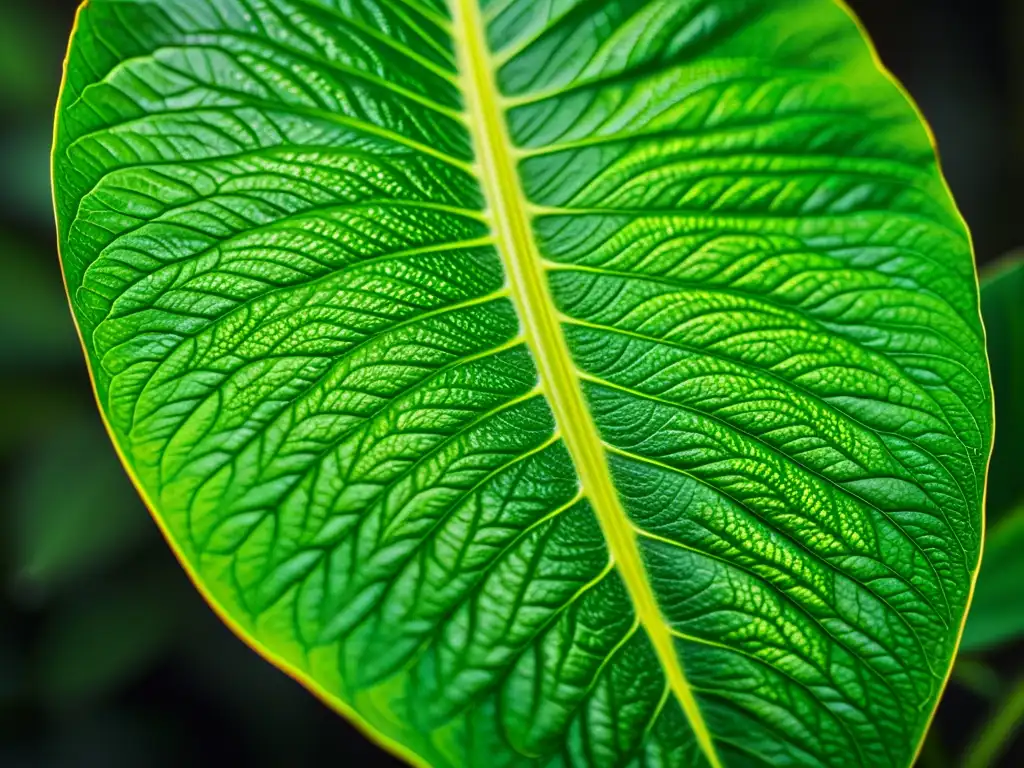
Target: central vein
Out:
[558,374]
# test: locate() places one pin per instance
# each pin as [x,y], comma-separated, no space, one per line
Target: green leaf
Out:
[997,613]
[25,40]
[1002,299]
[34,331]
[977,677]
[74,511]
[996,735]
[584,382]
[23,154]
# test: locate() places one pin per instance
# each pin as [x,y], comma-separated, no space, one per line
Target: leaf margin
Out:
[306,680]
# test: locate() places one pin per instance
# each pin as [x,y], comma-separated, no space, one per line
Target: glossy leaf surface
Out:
[564,382]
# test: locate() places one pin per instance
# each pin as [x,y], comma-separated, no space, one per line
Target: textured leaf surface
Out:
[544,382]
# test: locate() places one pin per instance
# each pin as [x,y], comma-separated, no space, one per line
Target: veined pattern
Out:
[544,382]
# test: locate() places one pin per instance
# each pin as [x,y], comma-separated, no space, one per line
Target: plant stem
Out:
[996,734]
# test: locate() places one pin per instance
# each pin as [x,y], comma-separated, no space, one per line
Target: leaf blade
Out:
[558,374]
[303,381]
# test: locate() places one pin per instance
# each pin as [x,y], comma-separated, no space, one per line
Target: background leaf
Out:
[1002,300]
[24,56]
[33,311]
[997,613]
[75,512]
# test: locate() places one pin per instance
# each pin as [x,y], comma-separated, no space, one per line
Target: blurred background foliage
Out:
[108,656]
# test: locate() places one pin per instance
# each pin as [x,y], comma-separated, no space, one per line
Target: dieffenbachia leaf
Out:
[542,382]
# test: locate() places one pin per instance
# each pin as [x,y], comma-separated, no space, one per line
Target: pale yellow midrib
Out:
[559,378]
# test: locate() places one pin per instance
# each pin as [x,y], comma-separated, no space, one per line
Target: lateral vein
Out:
[558,374]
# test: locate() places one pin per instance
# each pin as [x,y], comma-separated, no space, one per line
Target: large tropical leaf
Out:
[563,382]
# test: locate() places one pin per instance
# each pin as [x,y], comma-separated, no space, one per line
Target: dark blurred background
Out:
[108,657]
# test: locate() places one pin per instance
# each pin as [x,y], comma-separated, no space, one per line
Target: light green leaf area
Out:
[542,382]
